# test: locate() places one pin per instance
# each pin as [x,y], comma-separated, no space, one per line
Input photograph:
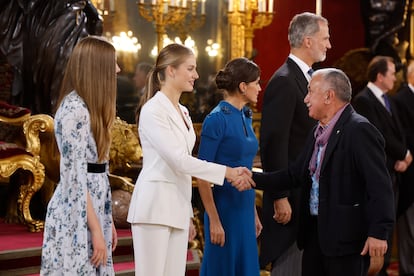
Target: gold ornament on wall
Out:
[163,13]
[246,16]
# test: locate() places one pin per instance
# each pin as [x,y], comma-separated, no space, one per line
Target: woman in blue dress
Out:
[231,222]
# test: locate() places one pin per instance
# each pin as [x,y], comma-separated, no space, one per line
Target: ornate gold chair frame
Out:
[28,160]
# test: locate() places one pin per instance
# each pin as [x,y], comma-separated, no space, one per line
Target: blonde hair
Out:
[171,55]
[90,71]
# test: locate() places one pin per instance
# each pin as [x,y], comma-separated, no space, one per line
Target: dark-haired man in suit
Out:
[284,127]
[374,104]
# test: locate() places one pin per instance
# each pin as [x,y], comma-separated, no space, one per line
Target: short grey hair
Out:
[338,81]
[301,25]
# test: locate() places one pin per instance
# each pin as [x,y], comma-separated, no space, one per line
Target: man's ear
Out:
[307,41]
[380,77]
[329,95]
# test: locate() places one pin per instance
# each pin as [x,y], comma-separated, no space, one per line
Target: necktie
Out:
[387,102]
[310,72]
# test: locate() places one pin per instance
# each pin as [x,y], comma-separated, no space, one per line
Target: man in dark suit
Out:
[405,220]
[284,127]
[346,207]
[374,104]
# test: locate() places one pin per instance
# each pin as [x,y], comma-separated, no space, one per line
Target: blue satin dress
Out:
[228,138]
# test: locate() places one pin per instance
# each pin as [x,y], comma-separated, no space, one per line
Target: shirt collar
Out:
[302,65]
[377,92]
[411,87]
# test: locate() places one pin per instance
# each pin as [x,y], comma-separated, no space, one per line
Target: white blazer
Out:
[162,193]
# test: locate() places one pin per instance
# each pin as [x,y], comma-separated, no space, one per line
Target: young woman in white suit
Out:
[160,211]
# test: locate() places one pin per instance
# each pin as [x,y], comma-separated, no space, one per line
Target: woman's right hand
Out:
[99,256]
[240,178]
[217,235]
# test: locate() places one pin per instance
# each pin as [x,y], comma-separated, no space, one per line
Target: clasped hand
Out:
[240,178]
[376,249]
[283,210]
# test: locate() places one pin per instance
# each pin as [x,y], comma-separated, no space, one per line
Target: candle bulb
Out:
[242,5]
[101,5]
[111,5]
[261,6]
[230,5]
[318,7]
[270,6]
[203,6]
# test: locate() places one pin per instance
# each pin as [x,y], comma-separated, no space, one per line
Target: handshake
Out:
[240,178]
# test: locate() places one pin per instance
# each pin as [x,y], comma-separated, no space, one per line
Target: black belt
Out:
[96,167]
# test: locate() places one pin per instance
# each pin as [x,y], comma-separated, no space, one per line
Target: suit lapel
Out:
[335,135]
[383,112]
[187,129]
[377,104]
[396,119]
[177,120]
[300,79]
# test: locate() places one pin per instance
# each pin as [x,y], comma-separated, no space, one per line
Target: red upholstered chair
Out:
[15,157]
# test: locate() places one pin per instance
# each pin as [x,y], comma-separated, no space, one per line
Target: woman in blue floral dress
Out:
[79,234]
[231,222]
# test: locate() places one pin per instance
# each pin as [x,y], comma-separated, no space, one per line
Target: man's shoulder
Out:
[404,93]
[362,95]
[350,117]
[287,73]
[364,91]
[357,118]
[358,123]
[288,69]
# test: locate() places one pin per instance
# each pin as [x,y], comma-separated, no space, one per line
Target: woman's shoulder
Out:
[226,110]
[74,100]
[154,104]
[219,111]
[72,104]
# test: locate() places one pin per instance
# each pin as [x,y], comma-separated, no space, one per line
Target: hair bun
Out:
[222,80]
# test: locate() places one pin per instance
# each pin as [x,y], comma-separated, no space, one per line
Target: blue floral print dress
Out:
[67,246]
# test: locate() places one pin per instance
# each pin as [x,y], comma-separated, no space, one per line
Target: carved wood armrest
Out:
[32,127]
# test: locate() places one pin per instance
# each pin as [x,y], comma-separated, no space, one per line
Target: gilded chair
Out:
[17,156]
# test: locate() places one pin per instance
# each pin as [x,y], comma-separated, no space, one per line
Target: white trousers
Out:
[159,250]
